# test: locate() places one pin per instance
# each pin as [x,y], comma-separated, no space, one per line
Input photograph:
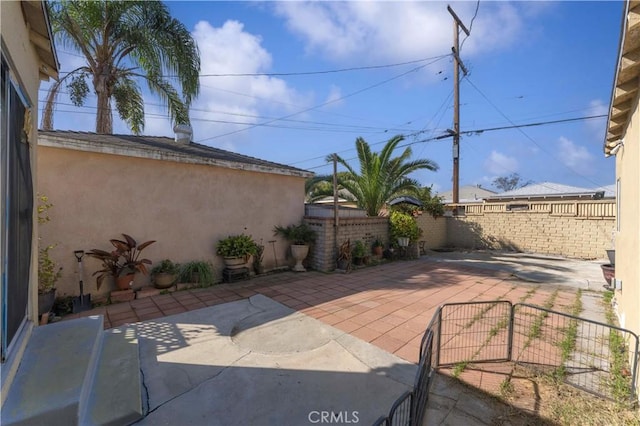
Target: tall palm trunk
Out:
[104,118]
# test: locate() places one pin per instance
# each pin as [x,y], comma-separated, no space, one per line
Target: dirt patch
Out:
[525,398]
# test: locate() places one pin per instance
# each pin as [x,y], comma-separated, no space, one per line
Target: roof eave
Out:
[625,83]
[36,14]
[86,146]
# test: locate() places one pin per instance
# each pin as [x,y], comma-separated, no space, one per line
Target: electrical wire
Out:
[325,103]
[291,74]
[466,78]
[470,25]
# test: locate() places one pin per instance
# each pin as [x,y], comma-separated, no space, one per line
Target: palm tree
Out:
[381,177]
[124,42]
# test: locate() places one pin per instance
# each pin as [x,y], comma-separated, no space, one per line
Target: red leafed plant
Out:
[124,260]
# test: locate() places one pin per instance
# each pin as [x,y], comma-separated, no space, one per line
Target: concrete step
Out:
[55,374]
[74,373]
[117,391]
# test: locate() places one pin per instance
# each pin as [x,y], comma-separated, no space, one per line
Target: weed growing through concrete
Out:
[568,343]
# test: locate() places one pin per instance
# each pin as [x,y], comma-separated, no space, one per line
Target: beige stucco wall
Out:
[23,63]
[187,208]
[536,231]
[627,237]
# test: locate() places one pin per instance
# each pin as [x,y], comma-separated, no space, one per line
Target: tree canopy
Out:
[510,182]
[123,43]
[380,177]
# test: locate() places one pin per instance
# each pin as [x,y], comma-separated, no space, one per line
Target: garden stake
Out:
[81,303]
[273,246]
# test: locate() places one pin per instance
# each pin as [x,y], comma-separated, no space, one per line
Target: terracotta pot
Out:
[299,253]
[164,280]
[125,282]
[377,250]
[234,262]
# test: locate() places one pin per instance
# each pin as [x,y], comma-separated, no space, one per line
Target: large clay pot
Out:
[164,280]
[377,251]
[234,262]
[299,253]
[125,282]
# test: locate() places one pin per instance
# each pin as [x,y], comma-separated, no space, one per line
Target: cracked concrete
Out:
[255,361]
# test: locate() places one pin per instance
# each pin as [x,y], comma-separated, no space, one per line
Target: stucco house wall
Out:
[622,140]
[30,55]
[185,207]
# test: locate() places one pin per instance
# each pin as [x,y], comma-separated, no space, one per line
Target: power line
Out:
[299,73]
[529,137]
[325,103]
[540,123]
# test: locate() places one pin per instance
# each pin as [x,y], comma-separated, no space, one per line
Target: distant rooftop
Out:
[162,148]
[467,194]
[554,190]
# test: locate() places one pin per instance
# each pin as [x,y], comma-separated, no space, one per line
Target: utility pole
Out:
[457,64]
[336,216]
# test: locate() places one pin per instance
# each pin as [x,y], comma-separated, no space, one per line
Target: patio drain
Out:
[267,333]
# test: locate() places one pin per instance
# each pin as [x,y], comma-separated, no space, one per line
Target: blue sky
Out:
[528,61]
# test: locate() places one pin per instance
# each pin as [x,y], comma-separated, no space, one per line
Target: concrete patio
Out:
[382,311]
[388,305]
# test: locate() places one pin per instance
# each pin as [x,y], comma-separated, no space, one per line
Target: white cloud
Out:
[396,31]
[229,50]
[334,96]
[574,156]
[500,164]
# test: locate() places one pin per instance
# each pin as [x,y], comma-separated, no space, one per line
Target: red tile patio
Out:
[388,305]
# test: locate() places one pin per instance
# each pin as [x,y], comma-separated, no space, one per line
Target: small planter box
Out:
[233,275]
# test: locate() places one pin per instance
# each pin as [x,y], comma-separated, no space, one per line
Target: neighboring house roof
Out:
[549,190]
[625,84]
[162,148]
[37,16]
[609,191]
[467,194]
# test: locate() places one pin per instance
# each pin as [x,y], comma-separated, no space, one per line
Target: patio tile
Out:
[402,334]
[366,334]
[173,311]
[388,343]
[347,326]
[128,316]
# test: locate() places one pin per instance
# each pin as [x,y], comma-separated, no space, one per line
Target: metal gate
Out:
[599,358]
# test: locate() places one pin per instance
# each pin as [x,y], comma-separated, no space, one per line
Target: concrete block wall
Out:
[322,256]
[571,236]
[434,230]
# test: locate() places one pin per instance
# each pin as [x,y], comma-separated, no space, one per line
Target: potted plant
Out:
[122,263]
[358,252]
[235,250]
[165,274]
[198,272]
[377,247]
[403,228]
[48,274]
[48,271]
[300,236]
[257,259]
[344,256]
